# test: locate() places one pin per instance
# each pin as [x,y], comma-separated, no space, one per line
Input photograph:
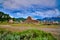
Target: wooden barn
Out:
[30,20]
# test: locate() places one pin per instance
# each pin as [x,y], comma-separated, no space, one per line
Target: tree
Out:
[4,17]
[1,14]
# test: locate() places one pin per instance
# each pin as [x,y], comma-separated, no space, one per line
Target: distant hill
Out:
[20,19]
[50,19]
[39,19]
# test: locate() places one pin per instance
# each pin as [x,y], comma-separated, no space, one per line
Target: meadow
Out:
[30,25]
[20,31]
[31,34]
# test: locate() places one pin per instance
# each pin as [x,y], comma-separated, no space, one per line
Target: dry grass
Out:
[30,25]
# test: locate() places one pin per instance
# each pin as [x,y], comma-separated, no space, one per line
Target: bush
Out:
[26,35]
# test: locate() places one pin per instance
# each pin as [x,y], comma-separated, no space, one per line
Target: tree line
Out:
[4,17]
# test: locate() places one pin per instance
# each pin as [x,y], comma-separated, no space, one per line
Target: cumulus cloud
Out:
[49,13]
[25,8]
[19,14]
[11,16]
[26,3]
[1,1]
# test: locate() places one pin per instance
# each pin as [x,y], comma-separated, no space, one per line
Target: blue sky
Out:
[33,8]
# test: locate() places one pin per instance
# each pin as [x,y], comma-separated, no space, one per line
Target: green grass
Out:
[3,23]
[25,35]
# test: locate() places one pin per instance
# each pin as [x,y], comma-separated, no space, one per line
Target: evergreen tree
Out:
[4,17]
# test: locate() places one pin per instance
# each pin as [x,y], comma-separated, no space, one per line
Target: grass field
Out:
[30,25]
[25,35]
[54,29]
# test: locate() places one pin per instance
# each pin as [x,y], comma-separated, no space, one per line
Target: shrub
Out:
[25,35]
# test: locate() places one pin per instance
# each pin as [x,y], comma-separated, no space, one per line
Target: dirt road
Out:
[54,31]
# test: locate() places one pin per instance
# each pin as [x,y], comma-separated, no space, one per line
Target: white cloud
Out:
[19,4]
[19,14]
[11,16]
[1,1]
[49,13]
[14,4]
[9,4]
